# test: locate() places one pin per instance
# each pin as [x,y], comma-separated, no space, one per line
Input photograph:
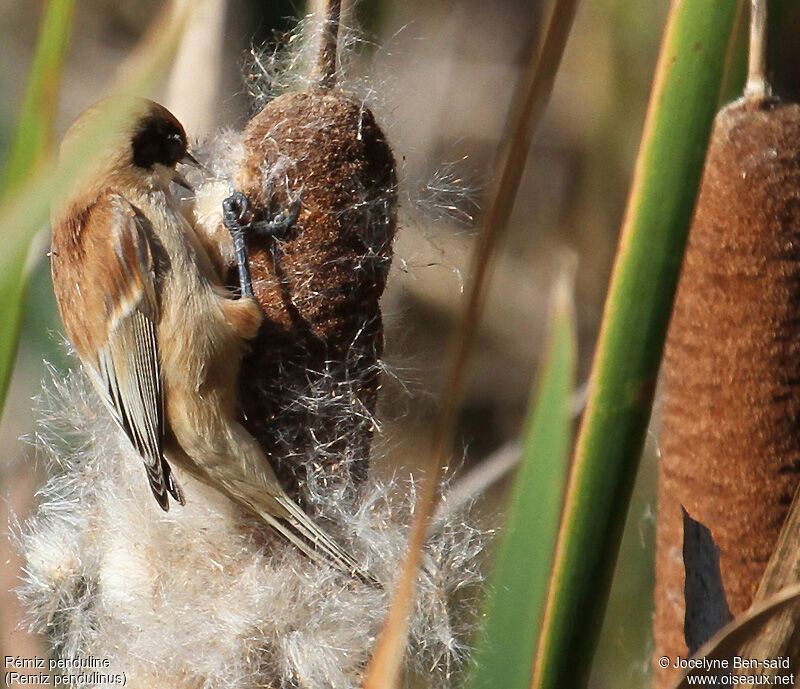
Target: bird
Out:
[159,335]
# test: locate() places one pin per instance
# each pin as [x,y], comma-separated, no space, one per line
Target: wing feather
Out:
[121,351]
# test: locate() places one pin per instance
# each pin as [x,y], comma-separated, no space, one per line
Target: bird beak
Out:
[189,159]
[180,180]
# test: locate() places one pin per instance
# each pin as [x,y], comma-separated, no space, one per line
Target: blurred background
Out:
[439,77]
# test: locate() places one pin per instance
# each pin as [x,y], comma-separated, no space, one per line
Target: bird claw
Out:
[235,210]
[238,219]
[281,222]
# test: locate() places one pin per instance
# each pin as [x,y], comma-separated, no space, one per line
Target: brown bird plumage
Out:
[159,336]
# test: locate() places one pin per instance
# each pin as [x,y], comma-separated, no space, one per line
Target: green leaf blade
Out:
[519,581]
[33,137]
[682,107]
[30,147]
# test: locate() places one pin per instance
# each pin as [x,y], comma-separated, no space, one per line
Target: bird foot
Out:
[235,214]
[238,219]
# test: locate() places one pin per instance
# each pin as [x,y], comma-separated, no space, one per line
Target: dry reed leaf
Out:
[727,642]
[529,102]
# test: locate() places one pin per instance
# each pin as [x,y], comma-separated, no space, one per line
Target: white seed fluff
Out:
[204,595]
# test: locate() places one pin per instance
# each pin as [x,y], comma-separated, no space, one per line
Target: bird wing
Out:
[113,324]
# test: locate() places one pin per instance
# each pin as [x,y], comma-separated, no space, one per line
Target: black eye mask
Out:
[158,141]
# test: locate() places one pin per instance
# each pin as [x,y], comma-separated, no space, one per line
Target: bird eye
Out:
[158,142]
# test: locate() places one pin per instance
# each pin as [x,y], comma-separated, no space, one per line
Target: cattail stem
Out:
[757,87]
[325,69]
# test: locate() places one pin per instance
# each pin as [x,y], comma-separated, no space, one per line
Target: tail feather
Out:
[296,526]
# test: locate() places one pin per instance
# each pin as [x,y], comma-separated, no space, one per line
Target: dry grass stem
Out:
[530,99]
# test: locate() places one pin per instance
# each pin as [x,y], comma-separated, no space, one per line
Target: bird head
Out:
[141,143]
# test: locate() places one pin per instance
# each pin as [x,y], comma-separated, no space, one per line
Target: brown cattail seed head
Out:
[730,438]
[310,385]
